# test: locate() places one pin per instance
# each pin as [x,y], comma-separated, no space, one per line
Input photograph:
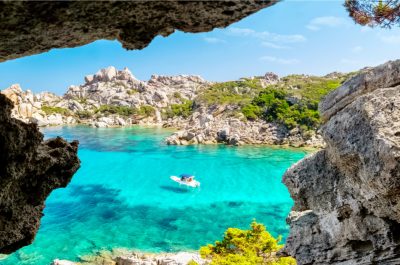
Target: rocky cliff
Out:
[347,196]
[30,169]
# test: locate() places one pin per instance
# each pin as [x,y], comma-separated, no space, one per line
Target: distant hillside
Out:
[256,110]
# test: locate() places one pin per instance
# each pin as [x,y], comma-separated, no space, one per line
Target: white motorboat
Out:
[186,179]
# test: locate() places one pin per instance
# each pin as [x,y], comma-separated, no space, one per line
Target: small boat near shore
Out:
[186,179]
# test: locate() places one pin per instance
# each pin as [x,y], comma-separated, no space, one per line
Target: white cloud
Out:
[273,45]
[277,60]
[391,39]
[357,49]
[213,40]
[328,21]
[266,35]
[241,31]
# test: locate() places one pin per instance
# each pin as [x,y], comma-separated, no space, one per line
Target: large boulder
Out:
[347,196]
[106,74]
[30,169]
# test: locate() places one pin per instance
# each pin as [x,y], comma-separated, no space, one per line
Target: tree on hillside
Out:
[384,13]
[255,246]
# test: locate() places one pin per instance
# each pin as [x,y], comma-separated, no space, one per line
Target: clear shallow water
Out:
[122,195]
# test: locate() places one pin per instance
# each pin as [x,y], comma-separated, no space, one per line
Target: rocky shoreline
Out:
[115,98]
[127,257]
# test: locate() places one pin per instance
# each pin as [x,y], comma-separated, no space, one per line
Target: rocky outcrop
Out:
[213,125]
[120,88]
[28,107]
[30,169]
[347,196]
[30,27]
[126,257]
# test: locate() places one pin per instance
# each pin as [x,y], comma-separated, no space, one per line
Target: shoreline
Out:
[308,149]
[122,256]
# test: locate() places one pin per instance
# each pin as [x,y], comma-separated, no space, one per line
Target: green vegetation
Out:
[119,110]
[182,110]
[177,95]
[192,262]
[132,91]
[310,88]
[83,114]
[255,246]
[144,110]
[293,102]
[51,110]
[81,100]
[272,106]
[232,92]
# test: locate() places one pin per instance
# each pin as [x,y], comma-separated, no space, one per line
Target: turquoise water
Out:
[122,195]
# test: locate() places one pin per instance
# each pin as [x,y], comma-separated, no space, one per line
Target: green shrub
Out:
[251,112]
[177,95]
[310,88]
[145,110]
[232,92]
[132,91]
[246,247]
[119,110]
[182,110]
[81,100]
[83,114]
[51,110]
[271,105]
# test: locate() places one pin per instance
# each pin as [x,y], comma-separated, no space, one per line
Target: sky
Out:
[291,37]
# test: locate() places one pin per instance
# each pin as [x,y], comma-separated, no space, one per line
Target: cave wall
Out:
[31,27]
[30,169]
[347,196]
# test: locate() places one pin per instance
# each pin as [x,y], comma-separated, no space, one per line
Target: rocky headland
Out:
[112,98]
[347,203]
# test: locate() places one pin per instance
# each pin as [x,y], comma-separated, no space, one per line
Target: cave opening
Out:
[221,131]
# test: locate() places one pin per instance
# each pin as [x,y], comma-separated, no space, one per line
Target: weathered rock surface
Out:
[30,27]
[30,169]
[347,196]
[211,126]
[28,107]
[126,257]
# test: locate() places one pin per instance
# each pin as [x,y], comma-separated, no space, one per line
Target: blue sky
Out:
[310,37]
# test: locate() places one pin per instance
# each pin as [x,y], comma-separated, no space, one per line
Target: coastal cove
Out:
[122,196]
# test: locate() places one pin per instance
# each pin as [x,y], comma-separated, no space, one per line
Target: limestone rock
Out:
[269,79]
[89,79]
[126,257]
[106,75]
[30,27]
[347,196]
[62,262]
[30,169]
